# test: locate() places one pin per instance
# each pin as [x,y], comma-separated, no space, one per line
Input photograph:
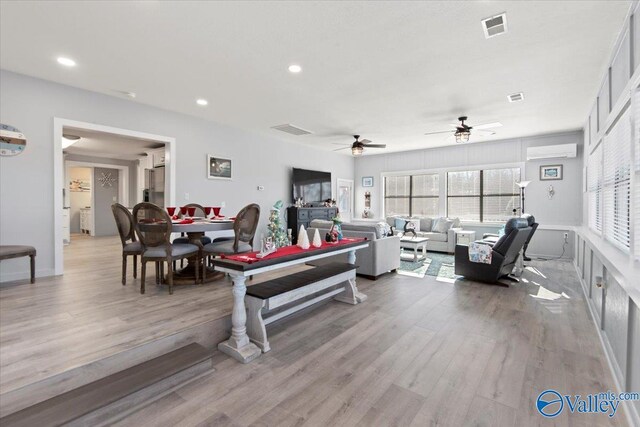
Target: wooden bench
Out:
[17,251]
[291,291]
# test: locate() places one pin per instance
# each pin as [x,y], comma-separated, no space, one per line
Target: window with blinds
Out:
[483,195]
[616,185]
[500,194]
[594,187]
[425,191]
[416,195]
[397,191]
[636,182]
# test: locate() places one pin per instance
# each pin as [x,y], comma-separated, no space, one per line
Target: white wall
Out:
[31,104]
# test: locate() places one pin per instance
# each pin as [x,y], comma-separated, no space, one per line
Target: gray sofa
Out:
[382,255]
[439,242]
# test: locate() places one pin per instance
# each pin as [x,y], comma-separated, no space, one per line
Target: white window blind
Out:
[594,183]
[396,195]
[617,182]
[425,192]
[636,182]
[463,195]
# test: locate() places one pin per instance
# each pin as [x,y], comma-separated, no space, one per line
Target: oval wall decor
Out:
[12,141]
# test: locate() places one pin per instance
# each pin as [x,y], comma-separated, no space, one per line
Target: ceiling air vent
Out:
[293,130]
[495,25]
[515,97]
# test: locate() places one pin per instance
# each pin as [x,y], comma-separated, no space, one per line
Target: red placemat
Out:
[250,257]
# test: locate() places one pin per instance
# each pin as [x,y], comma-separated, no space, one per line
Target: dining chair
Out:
[130,245]
[244,230]
[153,225]
[204,240]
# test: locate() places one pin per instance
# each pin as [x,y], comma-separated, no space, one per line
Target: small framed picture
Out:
[550,172]
[367,181]
[218,168]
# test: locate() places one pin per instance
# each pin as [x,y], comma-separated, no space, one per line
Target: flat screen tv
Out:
[312,186]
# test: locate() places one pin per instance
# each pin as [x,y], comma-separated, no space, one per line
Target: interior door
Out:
[345,199]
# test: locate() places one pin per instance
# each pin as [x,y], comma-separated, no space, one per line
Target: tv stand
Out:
[303,216]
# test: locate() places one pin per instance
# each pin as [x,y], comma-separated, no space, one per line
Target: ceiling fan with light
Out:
[462,130]
[358,146]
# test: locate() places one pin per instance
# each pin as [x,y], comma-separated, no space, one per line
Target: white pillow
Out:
[442,225]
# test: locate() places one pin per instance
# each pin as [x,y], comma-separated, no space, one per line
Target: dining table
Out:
[195,231]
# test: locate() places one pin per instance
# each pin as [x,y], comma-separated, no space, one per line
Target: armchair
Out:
[505,253]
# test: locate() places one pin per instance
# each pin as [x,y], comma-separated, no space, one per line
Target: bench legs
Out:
[256,329]
[238,345]
[351,295]
[33,268]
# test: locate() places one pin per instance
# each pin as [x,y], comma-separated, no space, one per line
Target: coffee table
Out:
[415,243]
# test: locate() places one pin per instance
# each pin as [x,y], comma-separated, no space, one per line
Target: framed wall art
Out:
[550,172]
[218,167]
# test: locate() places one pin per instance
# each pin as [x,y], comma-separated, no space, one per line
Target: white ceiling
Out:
[107,145]
[389,71]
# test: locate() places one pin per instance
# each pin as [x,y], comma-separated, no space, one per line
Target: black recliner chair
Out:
[505,254]
[531,220]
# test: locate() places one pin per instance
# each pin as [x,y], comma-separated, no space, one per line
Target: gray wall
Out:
[31,105]
[133,171]
[104,197]
[563,211]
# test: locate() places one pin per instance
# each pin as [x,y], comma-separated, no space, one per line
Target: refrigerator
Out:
[154,186]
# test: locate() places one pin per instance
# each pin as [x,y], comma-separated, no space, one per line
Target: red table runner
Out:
[250,257]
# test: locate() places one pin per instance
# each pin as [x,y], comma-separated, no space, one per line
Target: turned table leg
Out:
[238,345]
[352,294]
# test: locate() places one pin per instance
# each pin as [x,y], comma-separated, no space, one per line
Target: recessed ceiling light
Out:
[67,62]
[295,68]
[202,102]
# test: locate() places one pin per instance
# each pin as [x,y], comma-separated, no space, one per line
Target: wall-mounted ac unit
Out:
[564,151]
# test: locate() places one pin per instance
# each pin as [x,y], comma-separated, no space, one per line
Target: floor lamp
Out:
[522,185]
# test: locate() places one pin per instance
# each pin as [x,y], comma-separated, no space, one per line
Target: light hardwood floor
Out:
[417,352]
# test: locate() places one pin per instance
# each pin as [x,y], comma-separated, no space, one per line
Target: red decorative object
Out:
[192,211]
[250,258]
[207,211]
[216,211]
[171,210]
[183,210]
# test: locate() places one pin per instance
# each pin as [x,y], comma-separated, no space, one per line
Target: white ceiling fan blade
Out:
[377,146]
[442,131]
[338,143]
[488,126]
[483,131]
[365,141]
[343,148]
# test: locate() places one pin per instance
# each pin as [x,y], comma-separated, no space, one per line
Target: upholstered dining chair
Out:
[153,226]
[244,229]
[204,240]
[130,245]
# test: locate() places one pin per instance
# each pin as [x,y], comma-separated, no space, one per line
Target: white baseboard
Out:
[22,275]
[633,417]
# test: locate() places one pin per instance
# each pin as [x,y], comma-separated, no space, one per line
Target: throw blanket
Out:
[480,253]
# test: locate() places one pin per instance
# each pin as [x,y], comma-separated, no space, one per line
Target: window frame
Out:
[442,183]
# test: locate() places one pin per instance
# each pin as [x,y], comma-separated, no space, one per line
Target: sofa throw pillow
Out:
[442,225]
[426,224]
[382,230]
[399,224]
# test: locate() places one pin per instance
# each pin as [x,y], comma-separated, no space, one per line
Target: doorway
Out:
[114,176]
[345,199]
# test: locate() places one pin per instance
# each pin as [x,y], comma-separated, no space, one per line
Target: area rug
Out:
[436,264]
